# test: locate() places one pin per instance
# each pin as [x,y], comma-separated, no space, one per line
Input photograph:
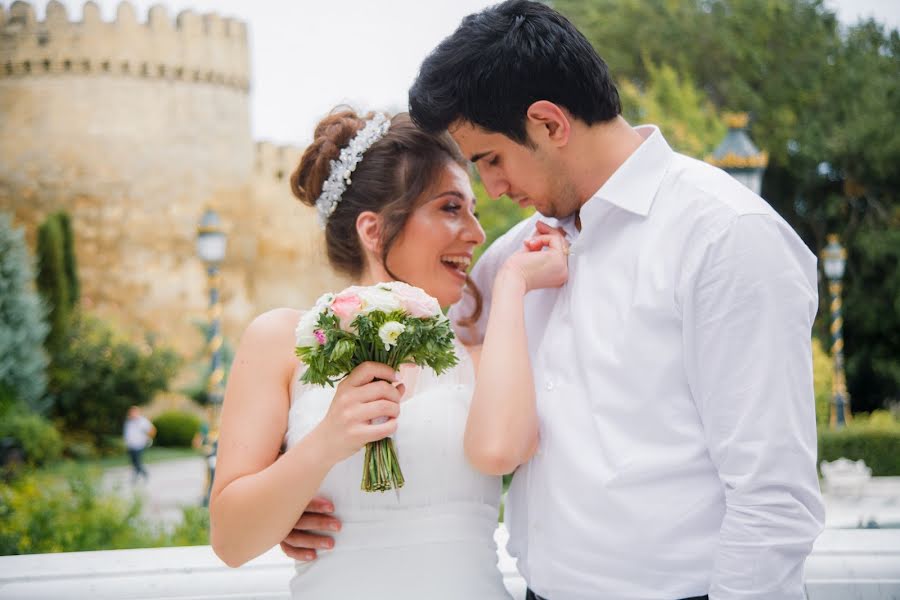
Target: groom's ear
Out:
[368,228]
[548,121]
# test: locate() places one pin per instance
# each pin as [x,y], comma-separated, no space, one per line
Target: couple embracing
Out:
[637,353]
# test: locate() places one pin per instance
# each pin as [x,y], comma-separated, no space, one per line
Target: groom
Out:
[673,369]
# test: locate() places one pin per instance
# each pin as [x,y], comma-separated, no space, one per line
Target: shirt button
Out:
[549,386]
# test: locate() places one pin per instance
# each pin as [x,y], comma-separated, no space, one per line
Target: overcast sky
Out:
[309,55]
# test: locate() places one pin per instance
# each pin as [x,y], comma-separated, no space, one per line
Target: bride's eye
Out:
[494,161]
[452,207]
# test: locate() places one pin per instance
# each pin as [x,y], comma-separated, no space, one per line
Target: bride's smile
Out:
[435,250]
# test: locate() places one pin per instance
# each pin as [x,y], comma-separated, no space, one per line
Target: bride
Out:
[407,213]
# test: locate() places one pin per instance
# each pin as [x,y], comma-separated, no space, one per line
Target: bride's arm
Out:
[502,427]
[257,496]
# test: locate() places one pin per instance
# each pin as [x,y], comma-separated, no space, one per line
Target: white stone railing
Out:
[845,564]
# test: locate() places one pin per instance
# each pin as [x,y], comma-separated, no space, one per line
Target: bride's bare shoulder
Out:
[271,329]
[277,318]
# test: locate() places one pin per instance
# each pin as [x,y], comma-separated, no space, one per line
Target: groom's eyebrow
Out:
[476,157]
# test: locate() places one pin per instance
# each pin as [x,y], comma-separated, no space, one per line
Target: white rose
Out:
[324,302]
[305,331]
[389,332]
[375,298]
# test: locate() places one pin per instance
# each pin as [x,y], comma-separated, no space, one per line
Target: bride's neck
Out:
[373,276]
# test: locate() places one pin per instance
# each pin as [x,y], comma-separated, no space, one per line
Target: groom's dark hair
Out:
[501,60]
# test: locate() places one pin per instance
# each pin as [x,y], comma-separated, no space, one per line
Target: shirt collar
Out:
[633,185]
[566,223]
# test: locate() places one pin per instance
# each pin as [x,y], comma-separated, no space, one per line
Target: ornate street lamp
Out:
[211,243]
[738,156]
[834,261]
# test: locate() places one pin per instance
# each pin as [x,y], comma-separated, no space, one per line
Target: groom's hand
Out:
[301,543]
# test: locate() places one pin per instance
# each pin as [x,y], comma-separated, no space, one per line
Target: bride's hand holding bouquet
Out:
[365,409]
[368,332]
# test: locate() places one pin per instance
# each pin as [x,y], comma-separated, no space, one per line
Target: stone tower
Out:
[134,127]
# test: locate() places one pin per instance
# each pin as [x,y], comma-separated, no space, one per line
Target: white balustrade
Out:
[846,564]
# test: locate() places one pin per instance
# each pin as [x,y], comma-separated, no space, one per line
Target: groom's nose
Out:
[494,182]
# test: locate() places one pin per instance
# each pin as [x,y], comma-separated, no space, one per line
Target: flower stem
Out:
[381,469]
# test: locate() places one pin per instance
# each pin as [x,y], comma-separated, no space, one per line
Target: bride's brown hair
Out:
[395,172]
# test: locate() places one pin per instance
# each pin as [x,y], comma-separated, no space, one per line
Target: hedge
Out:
[35,435]
[42,512]
[176,428]
[880,449]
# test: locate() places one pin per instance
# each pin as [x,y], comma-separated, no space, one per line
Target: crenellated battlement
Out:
[276,162]
[197,48]
[133,125]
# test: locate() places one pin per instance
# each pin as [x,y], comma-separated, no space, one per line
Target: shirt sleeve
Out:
[748,313]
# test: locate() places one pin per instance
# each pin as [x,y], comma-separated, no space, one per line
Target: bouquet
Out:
[391,323]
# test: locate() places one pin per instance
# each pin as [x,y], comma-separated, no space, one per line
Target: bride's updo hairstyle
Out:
[393,175]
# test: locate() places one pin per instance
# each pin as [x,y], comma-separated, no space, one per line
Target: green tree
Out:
[767,57]
[824,104]
[70,263]
[53,280]
[22,326]
[34,435]
[823,372]
[97,374]
[683,113]
[872,320]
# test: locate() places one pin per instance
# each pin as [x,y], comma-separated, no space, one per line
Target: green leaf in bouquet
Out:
[342,350]
[424,341]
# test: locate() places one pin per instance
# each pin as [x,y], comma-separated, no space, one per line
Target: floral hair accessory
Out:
[342,168]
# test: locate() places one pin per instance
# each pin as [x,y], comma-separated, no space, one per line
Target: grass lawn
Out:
[154,454]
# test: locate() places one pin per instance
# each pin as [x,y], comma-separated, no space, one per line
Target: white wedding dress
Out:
[434,538]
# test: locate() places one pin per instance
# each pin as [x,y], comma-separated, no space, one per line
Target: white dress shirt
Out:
[677,451]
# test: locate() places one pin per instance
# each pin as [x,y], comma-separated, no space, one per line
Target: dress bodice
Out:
[432,538]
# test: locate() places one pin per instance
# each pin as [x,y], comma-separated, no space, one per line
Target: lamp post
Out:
[738,156]
[211,242]
[834,261]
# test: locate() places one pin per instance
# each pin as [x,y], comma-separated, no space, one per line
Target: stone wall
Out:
[135,128]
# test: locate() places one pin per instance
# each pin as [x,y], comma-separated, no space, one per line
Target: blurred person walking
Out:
[138,433]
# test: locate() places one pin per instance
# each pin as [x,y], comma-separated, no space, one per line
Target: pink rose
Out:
[421,308]
[415,301]
[346,306]
[320,336]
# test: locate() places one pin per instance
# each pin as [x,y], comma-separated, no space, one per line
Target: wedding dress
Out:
[431,539]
